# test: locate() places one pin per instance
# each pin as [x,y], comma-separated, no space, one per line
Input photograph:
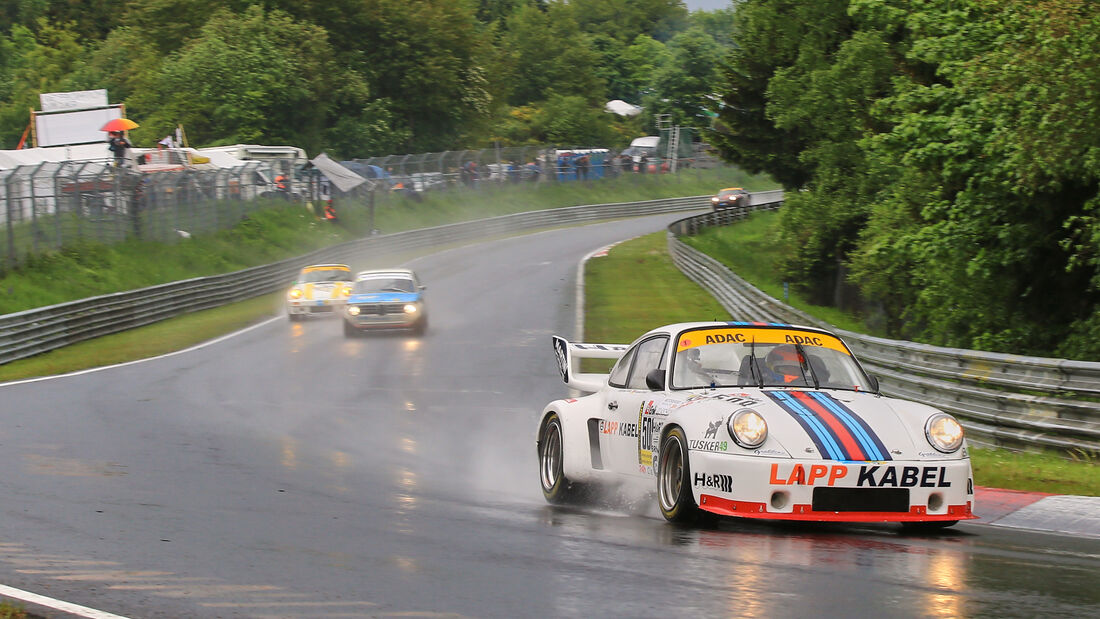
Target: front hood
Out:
[385,297]
[321,290]
[839,425]
[834,425]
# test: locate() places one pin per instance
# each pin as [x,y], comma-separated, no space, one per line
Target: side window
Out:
[651,356]
[618,373]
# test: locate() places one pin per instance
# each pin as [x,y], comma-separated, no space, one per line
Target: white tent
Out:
[344,179]
[622,108]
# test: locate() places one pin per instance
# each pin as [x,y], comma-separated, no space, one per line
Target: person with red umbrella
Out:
[116,142]
[118,145]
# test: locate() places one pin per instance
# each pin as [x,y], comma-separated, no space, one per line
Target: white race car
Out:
[756,420]
[319,289]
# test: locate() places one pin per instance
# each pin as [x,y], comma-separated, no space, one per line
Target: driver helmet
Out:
[784,359]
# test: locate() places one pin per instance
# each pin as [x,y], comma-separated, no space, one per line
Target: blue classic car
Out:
[386,299]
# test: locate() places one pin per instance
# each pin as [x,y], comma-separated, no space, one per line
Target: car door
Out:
[627,404]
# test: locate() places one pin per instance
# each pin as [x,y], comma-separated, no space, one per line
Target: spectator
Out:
[532,170]
[118,145]
[582,167]
[643,164]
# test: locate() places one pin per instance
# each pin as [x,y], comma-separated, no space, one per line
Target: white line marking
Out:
[68,607]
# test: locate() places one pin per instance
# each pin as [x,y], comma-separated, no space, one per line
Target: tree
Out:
[685,86]
[427,58]
[772,35]
[245,78]
[544,52]
[626,19]
[35,62]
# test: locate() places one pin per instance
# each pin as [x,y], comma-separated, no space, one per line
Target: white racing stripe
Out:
[41,600]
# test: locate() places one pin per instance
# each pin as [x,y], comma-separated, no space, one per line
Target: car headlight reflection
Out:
[411,308]
[944,433]
[353,310]
[747,428]
[295,293]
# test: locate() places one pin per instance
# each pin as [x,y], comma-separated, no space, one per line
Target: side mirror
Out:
[655,380]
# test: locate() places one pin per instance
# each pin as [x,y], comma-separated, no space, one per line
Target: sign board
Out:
[74,127]
[77,100]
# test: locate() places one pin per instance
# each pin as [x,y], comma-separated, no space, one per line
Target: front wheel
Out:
[555,486]
[350,331]
[674,495]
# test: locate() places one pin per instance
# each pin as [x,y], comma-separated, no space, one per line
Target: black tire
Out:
[421,327]
[350,331]
[555,486]
[294,317]
[674,497]
[927,527]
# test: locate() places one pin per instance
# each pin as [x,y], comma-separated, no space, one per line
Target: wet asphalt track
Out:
[290,472]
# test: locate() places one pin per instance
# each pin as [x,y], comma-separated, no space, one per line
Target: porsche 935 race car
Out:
[756,420]
[319,289]
[386,299]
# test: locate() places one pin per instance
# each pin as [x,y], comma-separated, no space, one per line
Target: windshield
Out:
[314,276]
[730,192]
[764,357]
[384,284]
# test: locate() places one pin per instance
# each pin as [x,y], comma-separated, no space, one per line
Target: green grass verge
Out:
[1038,472]
[12,611]
[149,341]
[636,287]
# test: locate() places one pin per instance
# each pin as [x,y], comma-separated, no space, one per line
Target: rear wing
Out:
[566,352]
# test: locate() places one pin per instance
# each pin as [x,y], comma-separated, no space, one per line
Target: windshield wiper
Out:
[756,375]
[805,359]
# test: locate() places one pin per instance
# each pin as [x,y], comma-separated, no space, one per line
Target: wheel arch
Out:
[576,463]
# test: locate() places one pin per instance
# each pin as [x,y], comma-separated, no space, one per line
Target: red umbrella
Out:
[119,124]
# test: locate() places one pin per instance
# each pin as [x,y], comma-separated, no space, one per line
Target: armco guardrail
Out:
[1007,400]
[28,333]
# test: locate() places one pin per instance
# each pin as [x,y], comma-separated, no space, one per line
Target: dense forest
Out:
[359,78]
[942,157]
[947,154]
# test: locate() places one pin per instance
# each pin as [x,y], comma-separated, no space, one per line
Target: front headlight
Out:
[944,433]
[411,308]
[747,428]
[295,293]
[353,310]
[714,199]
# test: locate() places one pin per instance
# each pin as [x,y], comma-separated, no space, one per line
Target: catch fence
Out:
[52,205]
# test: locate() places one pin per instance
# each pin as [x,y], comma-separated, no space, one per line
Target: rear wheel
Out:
[674,480]
[555,486]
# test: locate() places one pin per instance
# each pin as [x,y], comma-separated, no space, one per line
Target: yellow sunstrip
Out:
[742,335]
[328,268]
